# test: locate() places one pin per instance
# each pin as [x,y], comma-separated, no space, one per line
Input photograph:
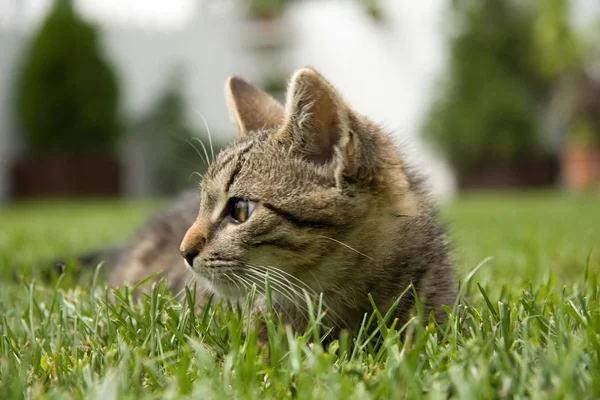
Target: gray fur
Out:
[337,209]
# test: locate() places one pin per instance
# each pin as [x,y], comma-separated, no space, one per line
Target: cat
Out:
[316,196]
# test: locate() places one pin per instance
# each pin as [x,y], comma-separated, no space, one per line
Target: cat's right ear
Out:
[251,108]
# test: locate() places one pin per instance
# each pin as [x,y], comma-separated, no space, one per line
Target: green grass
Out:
[528,328]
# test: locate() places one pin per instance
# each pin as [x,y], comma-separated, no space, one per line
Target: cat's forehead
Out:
[230,157]
[228,164]
[262,166]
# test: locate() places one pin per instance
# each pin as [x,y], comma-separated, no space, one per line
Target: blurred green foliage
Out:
[564,56]
[67,94]
[505,60]
[558,48]
[582,111]
[269,9]
[179,152]
[583,133]
[265,8]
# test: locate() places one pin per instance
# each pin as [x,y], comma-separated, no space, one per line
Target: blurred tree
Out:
[559,50]
[270,9]
[170,140]
[67,94]
[265,9]
[487,106]
[564,58]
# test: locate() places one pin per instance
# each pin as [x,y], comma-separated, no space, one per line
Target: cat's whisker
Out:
[282,280]
[287,276]
[300,290]
[196,173]
[200,289]
[244,282]
[345,245]
[260,280]
[276,285]
[178,294]
[315,279]
[250,284]
[293,293]
[295,289]
[203,148]
[212,152]
[187,281]
[289,293]
[191,143]
[240,291]
[191,280]
[314,154]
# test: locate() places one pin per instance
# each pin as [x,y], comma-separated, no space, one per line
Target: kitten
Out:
[315,195]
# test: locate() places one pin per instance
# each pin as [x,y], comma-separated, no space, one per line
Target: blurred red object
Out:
[581,167]
[66,176]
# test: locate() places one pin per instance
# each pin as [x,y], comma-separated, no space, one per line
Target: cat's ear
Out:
[251,108]
[318,121]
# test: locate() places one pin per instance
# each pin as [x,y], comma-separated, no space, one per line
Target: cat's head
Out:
[311,193]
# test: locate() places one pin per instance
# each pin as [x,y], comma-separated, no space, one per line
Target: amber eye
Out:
[241,209]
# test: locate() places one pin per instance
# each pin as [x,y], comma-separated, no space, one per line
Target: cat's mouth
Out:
[226,288]
[236,279]
[225,279]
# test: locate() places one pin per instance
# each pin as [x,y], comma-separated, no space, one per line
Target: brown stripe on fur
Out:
[299,221]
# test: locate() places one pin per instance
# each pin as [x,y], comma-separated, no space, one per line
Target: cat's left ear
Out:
[251,108]
[318,121]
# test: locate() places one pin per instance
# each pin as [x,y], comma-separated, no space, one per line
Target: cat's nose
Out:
[193,242]
[189,255]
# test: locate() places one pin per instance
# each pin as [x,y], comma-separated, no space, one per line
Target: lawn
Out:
[528,327]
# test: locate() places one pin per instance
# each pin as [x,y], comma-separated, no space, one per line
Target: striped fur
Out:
[338,212]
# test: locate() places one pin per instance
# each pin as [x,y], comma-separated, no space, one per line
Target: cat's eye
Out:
[241,209]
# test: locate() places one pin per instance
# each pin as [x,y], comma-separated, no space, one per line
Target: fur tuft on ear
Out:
[318,122]
[251,108]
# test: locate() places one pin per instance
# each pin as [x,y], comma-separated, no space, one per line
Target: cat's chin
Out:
[226,289]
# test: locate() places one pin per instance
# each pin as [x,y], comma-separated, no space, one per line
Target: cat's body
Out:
[314,195]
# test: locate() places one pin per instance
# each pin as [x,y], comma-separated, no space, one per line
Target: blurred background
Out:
[125,97]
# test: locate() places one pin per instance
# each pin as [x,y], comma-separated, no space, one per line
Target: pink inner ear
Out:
[253,108]
[326,123]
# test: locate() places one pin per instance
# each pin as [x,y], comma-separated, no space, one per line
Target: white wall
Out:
[385,71]
[10,52]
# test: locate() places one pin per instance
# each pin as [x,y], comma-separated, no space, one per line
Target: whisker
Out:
[285,275]
[291,294]
[251,284]
[234,282]
[329,310]
[203,148]
[212,152]
[346,245]
[261,277]
[188,141]
[243,281]
[315,278]
[256,282]
[191,143]
[279,285]
[277,278]
[195,173]
[190,277]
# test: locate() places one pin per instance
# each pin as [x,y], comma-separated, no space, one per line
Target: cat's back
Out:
[154,246]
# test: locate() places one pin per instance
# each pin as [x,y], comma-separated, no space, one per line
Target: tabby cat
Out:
[314,195]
